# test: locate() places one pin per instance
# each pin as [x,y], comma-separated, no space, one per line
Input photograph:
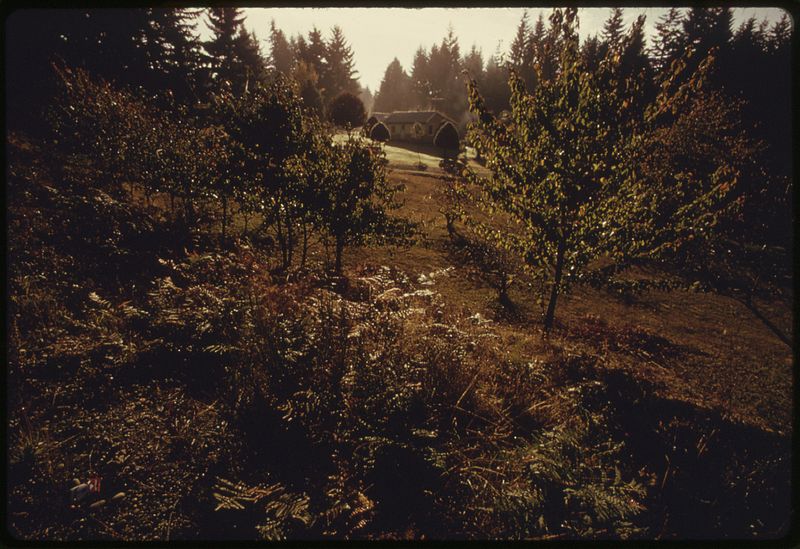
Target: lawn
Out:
[418,158]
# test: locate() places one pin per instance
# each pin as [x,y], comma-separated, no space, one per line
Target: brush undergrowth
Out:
[225,404]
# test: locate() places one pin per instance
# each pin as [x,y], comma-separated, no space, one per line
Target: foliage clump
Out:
[567,168]
[347,111]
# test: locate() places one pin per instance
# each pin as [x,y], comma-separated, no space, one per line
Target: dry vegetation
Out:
[228,319]
[400,402]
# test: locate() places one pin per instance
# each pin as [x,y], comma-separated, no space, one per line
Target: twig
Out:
[113,532]
[169,523]
[471,383]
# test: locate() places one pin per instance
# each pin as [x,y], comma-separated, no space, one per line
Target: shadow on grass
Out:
[423,148]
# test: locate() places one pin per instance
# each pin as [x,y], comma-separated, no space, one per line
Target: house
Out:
[428,127]
[375,118]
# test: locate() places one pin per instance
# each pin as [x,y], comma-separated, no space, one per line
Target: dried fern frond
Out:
[231,495]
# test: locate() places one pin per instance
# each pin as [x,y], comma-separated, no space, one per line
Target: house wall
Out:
[405,132]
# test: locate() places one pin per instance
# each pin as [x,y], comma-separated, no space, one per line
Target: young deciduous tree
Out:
[565,172]
[123,140]
[353,195]
[270,125]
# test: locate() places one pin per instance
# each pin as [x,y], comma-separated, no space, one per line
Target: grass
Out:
[405,403]
[732,353]
[415,157]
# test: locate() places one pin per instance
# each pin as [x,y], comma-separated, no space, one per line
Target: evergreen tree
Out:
[250,63]
[181,56]
[707,28]
[777,124]
[473,64]
[367,98]
[299,47]
[420,87]
[635,72]
[495,89]
[225,24]
[550,44]
[339,74]
[281,56]
[447,78]
[613,30]
[309,65]
[520,55]
[306,82]
[590,53]
[538,37]
[780,35]
[118,45]
[316,51]
[669,41]
[394,91]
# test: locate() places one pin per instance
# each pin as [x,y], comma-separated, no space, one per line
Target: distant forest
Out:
[156,49]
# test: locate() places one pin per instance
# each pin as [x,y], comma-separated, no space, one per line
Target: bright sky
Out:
[378,35]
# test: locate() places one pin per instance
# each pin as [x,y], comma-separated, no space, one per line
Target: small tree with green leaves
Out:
[354,196]
[271,127]
[565,171]
[123,139]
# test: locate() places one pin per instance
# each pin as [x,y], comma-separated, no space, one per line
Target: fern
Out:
[233,495]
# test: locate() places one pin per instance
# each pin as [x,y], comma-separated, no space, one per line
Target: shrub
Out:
[379,132]
[347,111]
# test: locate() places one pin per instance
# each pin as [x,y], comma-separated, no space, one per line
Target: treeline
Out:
[155,49]
[752,64]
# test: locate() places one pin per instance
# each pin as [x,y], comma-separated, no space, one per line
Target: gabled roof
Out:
[410,117]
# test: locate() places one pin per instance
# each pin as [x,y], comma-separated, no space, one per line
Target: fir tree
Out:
[225,24]
[281,57]
[393,93]
[339,74]
[669,40]
[613,29]
[520,55]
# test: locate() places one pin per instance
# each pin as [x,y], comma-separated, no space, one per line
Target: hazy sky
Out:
[378,35]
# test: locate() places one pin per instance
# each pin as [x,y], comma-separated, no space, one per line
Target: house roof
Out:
[410,117]
[379,115]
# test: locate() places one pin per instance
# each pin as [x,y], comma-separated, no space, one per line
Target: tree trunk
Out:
[551,306]
[289,241]
[339,252]
[305,246]
[188,209]
[451,225]
[503,291]
[281,239]
[224,215]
